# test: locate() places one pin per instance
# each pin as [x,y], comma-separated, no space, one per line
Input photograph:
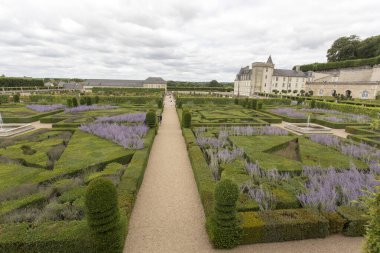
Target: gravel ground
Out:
[168,215]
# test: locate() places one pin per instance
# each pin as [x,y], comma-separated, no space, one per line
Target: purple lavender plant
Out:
[45,108]
[290,112]
[328,188]
[130,117]
[130,137]
[83,108]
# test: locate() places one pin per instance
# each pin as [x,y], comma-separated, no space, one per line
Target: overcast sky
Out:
[195,40]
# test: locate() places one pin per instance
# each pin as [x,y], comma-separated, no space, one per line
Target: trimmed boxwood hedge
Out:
[29,119]
[341,64]
[283,225]
[356,109]
[20,82]
[356,220]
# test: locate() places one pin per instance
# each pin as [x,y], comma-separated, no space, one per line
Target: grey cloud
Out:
[192,40]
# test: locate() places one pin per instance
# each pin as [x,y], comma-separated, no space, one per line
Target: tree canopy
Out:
[352,47]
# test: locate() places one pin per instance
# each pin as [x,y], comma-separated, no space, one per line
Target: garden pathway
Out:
[168,215]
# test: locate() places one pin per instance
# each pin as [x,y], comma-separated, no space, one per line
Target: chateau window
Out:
[283,85]
[321,92]
[290,79]
[276,78]
[365,94]
[284,79]
[265,76]
[266,69]
[276,85]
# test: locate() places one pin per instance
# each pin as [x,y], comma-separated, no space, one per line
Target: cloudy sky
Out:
[195,40]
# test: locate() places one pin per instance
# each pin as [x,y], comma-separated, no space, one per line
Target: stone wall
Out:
[362,90]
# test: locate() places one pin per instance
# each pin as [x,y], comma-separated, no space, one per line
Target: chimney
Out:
[298,68]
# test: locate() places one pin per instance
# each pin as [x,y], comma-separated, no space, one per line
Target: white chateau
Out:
[361,82]
[263,77]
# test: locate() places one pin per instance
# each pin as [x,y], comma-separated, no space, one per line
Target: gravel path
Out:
[168,215]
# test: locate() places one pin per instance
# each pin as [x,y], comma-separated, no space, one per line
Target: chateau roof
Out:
[113,82]
[269,61]
[155,80]
[289,72]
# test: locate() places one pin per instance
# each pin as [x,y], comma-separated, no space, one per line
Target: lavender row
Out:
[360,151]
[45,108]
[83,108]
[328,188]
[131,117]
[130,137]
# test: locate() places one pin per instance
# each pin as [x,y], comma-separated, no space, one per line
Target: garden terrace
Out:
[215,115]
[326,117]
[76,118]
[366,134]
[292,187]
[43,180]
[19,113]
[128,91]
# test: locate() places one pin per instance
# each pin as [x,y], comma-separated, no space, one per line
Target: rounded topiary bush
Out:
[312,103]
[224,226]
[159,103]
[150,119]
[103,216]
[186,119]
[372,243]
[179,104]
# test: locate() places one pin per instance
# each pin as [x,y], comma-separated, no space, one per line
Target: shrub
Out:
[103,215]
[16,98]
[88,101]
[312,103]
[179,104]
[159,103]
[75,102]
[225,230]
[96,99]
[151,119]
[69,102]
[372,244]
[82,100]
[186,119]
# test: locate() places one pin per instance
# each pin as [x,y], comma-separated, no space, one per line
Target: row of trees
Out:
[212,83]
[302,92]
[73,102]
[20,82]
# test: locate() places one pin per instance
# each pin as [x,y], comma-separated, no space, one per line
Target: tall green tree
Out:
[344,48]
[369,47]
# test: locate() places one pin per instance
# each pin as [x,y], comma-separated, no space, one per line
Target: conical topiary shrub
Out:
[225,229]
[150,119]
[103,215]
[186,119]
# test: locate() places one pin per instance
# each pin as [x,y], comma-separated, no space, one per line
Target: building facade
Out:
[360,82]
[264,77]
[150,82]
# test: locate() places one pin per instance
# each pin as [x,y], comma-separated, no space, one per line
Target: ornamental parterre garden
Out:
[72,187]
[291,187]
[46,174]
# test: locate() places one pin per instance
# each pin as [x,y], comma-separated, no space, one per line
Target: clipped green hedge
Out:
[102,99]
[222,89]
[29,119]
[372,112]
[20,82]
[202,174]
[373,140]
[283,225]
[356,220]
[341,64]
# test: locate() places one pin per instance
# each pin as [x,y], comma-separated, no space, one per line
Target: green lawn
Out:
[258,149]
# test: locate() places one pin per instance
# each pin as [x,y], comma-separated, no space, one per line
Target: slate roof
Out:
[270,60]
[72,86]
[155,80]
[289,72]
